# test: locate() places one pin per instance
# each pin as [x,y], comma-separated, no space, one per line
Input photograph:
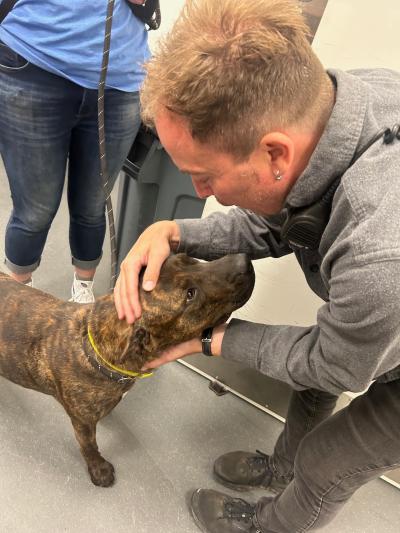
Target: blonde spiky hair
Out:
[234,69]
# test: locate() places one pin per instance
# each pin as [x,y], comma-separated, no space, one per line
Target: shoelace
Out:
[258,461]
[82,292]
[238,509]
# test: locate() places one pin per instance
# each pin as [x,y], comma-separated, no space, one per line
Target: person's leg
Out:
[36,116]
[307,409]
[86,196]
[357,444]
[245,470]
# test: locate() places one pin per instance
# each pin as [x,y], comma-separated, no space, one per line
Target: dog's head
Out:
[190,296]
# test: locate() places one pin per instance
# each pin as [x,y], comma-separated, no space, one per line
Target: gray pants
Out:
[327,458]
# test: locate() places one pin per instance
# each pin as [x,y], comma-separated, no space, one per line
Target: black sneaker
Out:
[215,512]
[244,471]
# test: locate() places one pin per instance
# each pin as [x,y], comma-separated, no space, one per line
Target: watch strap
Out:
[206,338]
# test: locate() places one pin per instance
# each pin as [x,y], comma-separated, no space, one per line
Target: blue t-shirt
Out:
[66,38]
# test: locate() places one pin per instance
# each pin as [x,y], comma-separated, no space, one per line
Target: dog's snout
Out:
[235,263]
[241,276]
[240,267]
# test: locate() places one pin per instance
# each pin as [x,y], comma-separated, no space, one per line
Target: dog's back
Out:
[33,326]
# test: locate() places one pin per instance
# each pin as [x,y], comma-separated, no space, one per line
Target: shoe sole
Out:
[195,518]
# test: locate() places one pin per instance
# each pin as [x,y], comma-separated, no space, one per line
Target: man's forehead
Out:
[189,155]
[169,124]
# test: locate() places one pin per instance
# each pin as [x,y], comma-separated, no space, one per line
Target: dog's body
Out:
[58,348]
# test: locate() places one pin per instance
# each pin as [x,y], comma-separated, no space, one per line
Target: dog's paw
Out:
[102,473]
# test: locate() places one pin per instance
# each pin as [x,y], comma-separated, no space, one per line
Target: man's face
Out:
[249,184]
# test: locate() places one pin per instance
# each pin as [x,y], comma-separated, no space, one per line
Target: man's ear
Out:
[279,150]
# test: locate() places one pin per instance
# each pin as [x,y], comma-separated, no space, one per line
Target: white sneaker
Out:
[82,291]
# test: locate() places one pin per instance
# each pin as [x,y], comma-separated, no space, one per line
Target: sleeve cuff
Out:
[242,342]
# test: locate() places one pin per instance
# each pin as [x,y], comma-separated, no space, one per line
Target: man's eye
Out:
[190,294]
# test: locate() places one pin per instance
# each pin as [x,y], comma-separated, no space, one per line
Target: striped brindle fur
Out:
[44,341]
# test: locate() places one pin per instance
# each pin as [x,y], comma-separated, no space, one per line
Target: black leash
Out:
[102,146]
[150,14]
[5,7]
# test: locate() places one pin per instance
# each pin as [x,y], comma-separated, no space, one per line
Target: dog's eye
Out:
[190,294]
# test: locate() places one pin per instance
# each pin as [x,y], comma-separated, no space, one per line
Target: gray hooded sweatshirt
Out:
[357,268]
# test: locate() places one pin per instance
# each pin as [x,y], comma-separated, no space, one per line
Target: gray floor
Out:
[162,440]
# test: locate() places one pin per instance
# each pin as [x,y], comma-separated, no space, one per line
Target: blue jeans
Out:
[45,122]
[325,458]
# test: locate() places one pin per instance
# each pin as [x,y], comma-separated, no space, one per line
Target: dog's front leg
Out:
[101,471]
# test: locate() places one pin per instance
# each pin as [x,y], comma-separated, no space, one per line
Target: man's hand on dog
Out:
[188,348]
[150,250]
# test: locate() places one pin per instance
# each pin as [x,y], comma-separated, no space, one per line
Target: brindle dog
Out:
[45,346]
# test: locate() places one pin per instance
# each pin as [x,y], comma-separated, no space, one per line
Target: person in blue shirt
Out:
[50,62]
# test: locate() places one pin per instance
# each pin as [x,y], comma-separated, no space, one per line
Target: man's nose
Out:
[202,190]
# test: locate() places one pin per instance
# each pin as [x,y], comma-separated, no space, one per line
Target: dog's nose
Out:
[234,267]
[243,278]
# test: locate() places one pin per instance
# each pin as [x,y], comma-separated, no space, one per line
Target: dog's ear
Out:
[140,339]
[135,343]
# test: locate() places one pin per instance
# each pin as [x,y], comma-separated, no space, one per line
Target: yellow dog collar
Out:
[122,371]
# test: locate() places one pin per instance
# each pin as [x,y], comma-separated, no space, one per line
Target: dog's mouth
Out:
[241,301]
[222,320]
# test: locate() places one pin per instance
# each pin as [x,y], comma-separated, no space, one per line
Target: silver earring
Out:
[278,175]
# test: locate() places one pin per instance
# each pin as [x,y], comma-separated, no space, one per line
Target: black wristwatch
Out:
[206,338]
